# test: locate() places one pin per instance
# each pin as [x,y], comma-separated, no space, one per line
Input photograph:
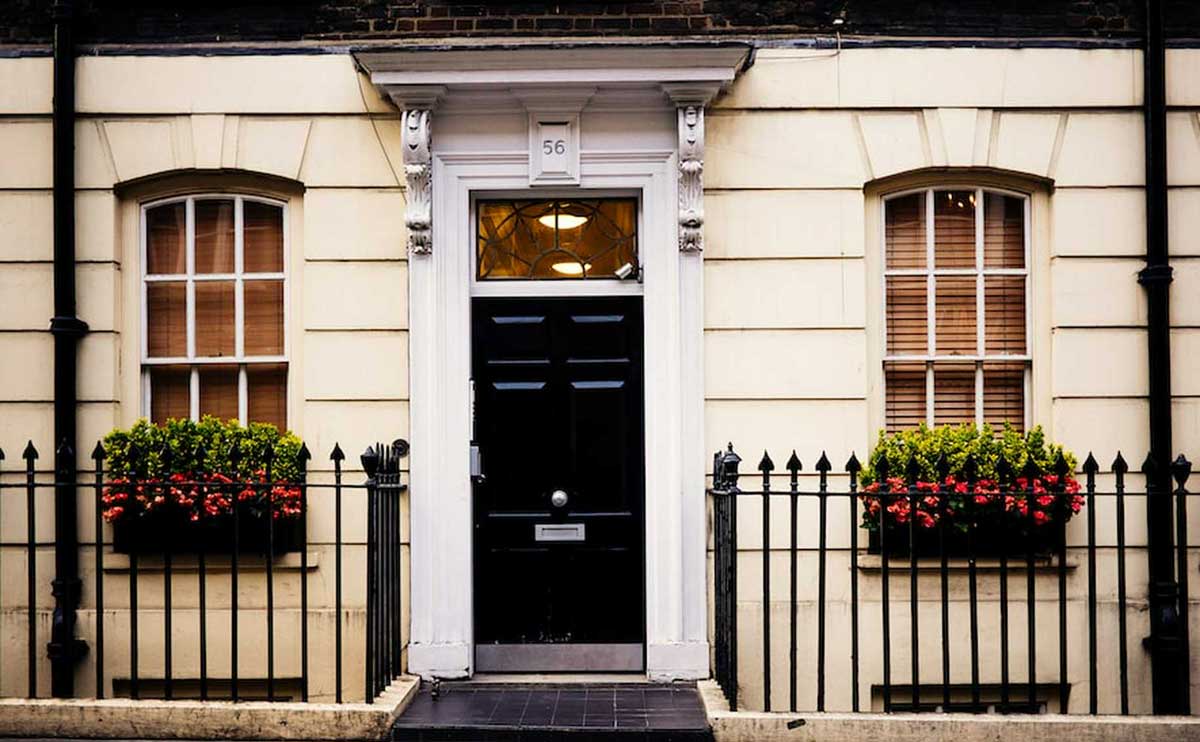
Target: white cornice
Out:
[425,78]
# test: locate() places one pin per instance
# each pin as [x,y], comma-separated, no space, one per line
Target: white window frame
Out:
[191,278]
[980,272]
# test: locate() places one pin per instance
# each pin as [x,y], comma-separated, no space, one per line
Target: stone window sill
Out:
[873,563]
[213,564]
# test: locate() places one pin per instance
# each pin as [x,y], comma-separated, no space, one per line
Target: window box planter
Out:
[156,536]
[174,488]
[988,541]
[924,486]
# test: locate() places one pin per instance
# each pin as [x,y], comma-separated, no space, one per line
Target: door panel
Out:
[558,406]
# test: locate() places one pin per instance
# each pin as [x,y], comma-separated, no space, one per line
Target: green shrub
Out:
[188,468]
[987,499]
[956,443]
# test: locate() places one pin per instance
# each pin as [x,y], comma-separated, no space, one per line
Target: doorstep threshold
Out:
[555,678]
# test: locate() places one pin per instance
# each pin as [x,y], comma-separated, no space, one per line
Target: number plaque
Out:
[553,149]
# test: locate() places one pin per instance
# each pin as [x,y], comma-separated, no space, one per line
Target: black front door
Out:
[558,504]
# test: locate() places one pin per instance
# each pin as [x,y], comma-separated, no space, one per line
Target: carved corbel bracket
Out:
[417,102]
[690,101]
[691,178]
[418,177]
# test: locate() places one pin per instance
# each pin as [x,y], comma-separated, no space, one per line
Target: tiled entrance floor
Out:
[533,713]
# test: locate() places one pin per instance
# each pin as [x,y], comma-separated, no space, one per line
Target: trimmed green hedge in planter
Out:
[174,487]
[1003,511]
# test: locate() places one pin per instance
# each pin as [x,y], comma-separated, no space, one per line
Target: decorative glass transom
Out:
[557,239]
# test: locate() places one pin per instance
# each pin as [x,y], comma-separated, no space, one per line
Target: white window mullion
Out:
[929,393]
[243,396]
[190,259]
[239,294]
[979,394]
[194,393]
[980,336]
[930,281]
[930,307]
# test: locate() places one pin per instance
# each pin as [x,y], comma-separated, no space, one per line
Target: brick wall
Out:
[145,21]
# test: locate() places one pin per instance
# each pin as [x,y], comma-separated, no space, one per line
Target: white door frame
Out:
[441,638]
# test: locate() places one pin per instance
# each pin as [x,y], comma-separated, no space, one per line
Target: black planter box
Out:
[175,535]
[991,541]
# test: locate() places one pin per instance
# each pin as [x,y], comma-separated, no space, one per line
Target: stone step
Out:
[540,712]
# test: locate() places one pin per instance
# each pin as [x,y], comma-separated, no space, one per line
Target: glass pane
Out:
[166,239]
[907,314]
[905,388]
[1004,394]
[264,318]
[262,238]
[556,239]
[953,393]
[905,231]
[1004,314]
[1003,231]
[954,229]
[214,236]
[170,393]
[166,319]
[267,393]
[954,302]
[219,391]
[214,319]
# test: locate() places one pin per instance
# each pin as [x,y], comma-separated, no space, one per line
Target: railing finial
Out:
[370,461]
[913,469]
[942,465]
[793,463]
[765,464]
[852,464]
[1181,469]
[823,464]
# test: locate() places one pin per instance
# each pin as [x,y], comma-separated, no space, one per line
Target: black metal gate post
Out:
[724,489]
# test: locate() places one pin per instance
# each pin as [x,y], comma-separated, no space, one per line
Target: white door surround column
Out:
[512,85]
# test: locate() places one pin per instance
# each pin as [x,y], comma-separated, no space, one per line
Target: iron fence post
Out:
[370,464]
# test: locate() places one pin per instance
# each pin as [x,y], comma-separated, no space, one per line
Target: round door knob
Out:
[558,498]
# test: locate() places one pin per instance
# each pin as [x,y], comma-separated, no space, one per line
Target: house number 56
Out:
[553,151]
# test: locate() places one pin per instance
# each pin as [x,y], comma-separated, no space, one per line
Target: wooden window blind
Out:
[214,304]
[956,294]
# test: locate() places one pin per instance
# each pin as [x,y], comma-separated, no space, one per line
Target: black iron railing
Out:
[929,562]
[252,579]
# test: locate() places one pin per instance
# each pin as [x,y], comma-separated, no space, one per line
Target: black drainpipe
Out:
[1168,654]
[64,649]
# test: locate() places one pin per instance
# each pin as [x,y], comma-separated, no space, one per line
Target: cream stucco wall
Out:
[789,337]
[311,120]
[792,347]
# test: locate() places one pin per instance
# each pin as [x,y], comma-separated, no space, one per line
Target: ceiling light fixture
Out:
[571,268]
[565,221]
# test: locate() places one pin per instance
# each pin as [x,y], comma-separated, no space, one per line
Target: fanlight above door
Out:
[556,239]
